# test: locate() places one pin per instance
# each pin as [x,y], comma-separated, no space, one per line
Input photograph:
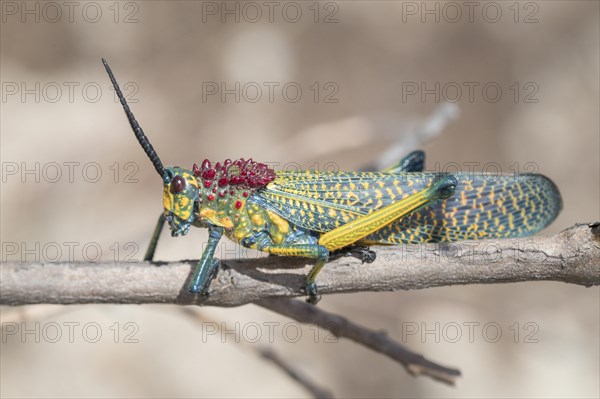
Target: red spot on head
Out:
[221,193]
[210,197]
[209,174]
[196,170]
[207,183]
[223,181]
[205,164]
[245,193]
[238,204]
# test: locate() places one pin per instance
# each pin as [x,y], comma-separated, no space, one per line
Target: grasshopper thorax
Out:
[211,194]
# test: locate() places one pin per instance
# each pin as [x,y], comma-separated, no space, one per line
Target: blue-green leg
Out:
[154,240]
[413,162]
[312,290]
[313,251]
[208,266]
[311,285]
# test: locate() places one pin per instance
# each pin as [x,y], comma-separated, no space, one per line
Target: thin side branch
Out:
[572,256]
[414,363]
[267,353]
[315,390]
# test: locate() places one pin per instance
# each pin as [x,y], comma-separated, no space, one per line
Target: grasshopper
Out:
[324,215]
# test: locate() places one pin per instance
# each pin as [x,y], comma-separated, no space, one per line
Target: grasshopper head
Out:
[180,198]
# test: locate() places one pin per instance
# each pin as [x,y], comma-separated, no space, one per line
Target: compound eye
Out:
[177,185]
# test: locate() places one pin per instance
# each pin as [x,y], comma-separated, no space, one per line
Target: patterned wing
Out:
[320,202]
[483,206]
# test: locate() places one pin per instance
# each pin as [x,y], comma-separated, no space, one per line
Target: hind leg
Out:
[364,254]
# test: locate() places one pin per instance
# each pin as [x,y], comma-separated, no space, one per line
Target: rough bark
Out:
[572,256]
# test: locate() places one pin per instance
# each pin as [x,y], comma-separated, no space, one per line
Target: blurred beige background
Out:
[57,109]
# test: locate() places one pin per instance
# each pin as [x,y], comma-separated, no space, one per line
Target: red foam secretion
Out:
[243,173]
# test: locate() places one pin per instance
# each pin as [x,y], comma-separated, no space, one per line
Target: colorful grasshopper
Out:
[322,215]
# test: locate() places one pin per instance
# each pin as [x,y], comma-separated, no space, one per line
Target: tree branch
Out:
[267,353]
[414,363]
[572,256]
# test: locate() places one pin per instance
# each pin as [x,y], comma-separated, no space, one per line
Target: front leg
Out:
[207,267]
[154,240]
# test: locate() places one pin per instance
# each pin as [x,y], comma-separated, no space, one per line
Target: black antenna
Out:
[137,130]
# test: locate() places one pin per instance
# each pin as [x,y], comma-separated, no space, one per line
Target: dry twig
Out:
[572,256]
[269,354]
[414,363]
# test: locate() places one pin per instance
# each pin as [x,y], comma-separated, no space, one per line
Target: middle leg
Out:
[312,251]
